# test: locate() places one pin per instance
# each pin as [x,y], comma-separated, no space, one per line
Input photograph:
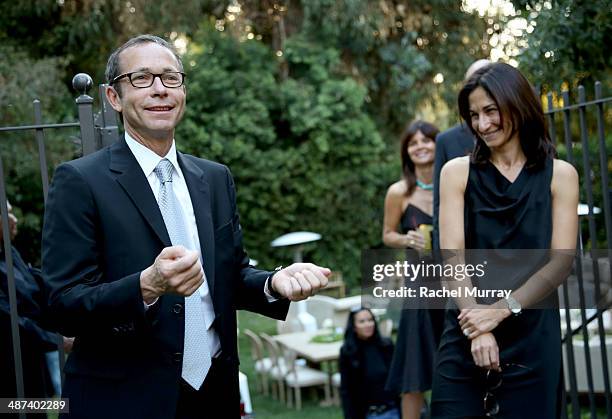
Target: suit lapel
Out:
[133,181]
[199,192]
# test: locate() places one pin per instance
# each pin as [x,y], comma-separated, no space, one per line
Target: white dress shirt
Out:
[148,160]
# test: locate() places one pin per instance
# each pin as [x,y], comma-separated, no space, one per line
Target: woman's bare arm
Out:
[453,181]
[394,208]
[564,190]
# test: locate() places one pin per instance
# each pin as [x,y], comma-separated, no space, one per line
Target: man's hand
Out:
[176,270]
[475,321]
[486,352]
[300,280]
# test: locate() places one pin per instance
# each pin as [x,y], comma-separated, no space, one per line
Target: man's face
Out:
[150,113]
[12,224]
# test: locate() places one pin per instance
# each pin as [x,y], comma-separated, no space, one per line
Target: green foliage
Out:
[21,80]
[304,154]
[86,32]
[569,43]
[395,49]
[310,135]
[577,158]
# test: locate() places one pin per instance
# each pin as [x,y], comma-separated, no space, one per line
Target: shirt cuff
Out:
[268,291]
[272,295]
[147,306]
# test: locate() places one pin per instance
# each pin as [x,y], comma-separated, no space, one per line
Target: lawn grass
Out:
[264,407]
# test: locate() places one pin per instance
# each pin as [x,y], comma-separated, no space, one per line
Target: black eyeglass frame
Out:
[494,410]
[129,77]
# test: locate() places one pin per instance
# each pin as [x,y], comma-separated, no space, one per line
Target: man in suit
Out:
[144,263]
[457,141]
[35,341]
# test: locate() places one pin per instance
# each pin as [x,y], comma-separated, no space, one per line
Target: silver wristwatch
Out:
[513,305]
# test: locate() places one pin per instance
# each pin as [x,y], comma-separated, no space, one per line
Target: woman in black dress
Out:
[364,363]
[407,222]
[502,358]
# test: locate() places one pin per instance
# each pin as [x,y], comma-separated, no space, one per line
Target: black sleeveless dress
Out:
[418,334]
[500,214]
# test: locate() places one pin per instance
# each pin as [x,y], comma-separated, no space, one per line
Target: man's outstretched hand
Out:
[300,280]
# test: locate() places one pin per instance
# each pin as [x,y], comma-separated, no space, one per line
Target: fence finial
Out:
[82,82]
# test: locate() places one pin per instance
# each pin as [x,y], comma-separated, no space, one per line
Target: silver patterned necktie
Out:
[196,352]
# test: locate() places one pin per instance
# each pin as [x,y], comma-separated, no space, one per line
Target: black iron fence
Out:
[96,131]
[579,128]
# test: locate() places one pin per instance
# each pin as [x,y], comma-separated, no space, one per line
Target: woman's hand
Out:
[485,351]
[415,240]
[475,321]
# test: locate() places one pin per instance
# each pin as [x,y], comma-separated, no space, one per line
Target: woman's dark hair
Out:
[351,341]
[429,131]
[516,100]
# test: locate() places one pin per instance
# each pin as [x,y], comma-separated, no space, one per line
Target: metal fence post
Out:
[108,118]
[42,156]
[12,290]
[82,83]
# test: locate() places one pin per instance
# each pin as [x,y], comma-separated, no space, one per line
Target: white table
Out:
[310,351]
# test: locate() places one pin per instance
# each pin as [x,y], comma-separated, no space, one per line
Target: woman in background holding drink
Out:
[407,224]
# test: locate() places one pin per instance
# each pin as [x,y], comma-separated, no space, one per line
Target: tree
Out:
[84,32]
[393,48]
[23,79]
[303,99]
[303,151]
[569,41]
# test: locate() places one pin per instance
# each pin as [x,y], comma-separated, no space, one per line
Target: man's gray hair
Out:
[474,67]
[112,66]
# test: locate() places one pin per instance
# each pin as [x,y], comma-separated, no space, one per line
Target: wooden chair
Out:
[299,376]
[335,380]
[385,327]
[278,369]
[335,287]
[262,364]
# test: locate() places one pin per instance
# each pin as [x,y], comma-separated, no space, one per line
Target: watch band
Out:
[513,305]
[271,290]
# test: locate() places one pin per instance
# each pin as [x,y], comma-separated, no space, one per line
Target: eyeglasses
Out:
[493,381]
[144,79]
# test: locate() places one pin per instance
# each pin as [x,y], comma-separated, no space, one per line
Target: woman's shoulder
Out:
[457,165]
[564,176]
[456,171]
[397,189]
[563,169]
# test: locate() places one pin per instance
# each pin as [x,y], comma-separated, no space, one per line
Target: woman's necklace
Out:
[424,186]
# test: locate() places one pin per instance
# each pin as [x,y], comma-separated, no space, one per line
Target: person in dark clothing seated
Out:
[365,358]
[35,341]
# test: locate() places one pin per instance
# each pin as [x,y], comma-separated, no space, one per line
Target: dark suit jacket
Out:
[35,341]
[102,228]
[457,141]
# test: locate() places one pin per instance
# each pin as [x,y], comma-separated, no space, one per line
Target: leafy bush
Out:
[596,184]
[23,79]
[303,152]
